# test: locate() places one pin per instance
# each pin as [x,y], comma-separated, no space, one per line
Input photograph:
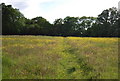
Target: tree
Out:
[44,26]
[107,24]
[12,20]
[0,19]
[85,23]
[106,21]
[70,26]
[58,27]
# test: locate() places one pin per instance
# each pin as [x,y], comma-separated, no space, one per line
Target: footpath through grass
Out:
[45,57]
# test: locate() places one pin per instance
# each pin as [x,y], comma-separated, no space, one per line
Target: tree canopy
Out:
[107,24]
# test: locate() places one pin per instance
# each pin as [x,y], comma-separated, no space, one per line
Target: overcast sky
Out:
[53,9]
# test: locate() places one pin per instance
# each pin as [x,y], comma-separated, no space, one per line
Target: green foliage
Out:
[12,20]
[105,25]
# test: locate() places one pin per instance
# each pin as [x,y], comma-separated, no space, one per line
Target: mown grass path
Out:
[74,64]
[44,57]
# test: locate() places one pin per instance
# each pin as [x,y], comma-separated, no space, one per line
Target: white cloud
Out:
[53,9]
[81,8]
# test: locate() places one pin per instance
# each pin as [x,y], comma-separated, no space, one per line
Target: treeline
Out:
[107,24]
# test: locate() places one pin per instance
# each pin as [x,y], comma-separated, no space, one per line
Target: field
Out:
[45,57]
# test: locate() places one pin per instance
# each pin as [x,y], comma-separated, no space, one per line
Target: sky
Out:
[54,9]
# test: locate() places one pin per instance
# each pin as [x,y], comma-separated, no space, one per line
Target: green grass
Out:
[45,57]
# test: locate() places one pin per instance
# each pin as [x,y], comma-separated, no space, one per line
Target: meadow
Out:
[46,57]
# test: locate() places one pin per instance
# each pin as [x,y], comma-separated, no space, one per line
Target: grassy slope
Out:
[42,57]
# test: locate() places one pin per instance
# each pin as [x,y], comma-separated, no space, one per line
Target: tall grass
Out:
[45,57]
